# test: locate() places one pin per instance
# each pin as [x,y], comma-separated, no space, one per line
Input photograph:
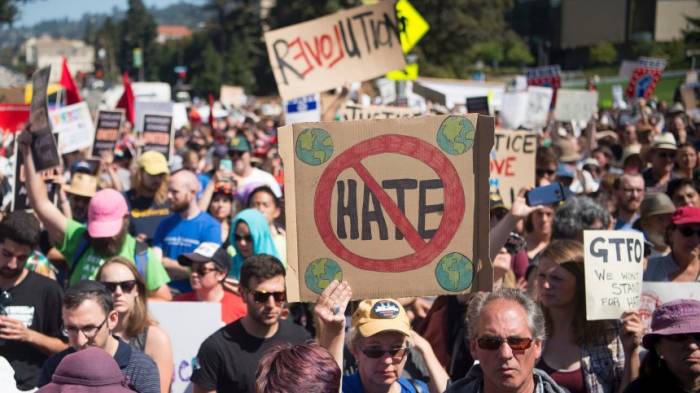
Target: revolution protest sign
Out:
[108,125]
[359,112]
[655,294]
[186,334]
[613,264]
[349,46]
[512,164]
[394,201]
[575,105]
[44,151]
[73,125]
[158,133]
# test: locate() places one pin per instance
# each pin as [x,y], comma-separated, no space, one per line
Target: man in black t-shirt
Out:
[147,198]
[228,359]
[30,304]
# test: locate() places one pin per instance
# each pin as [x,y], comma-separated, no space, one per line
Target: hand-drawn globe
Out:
[320,273]
[456,135]
[454,272]
[314,146]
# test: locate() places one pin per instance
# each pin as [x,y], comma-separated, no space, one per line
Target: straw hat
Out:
[82,184]
[568,151]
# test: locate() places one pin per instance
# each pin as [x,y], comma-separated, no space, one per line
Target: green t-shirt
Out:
[89,262]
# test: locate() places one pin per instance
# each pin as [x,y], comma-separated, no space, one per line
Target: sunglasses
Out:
[395,353]
[223,188]
[126,286]
[543,172]
[263,296]
[238,238]
[683,337]
[688,232]
[492,343]
[203,270]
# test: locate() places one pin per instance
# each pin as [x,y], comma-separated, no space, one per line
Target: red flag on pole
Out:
[126,101]
[72,93]
[211,110]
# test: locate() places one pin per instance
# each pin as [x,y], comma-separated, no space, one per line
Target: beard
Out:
[179,207]
[9,274]
[110,246]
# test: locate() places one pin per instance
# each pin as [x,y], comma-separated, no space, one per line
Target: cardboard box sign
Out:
[396,207]
[359,112]
[349,46]
[513,163]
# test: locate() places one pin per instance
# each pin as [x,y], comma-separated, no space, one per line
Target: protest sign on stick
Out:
[613,269]
[513,163]
[359,112]
[108,125]
[44,150]
[575,105]
[382,203]
[74,127]
[349,46]
[158,133]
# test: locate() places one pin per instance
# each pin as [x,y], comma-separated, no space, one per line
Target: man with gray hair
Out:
[575,215]
[505,331]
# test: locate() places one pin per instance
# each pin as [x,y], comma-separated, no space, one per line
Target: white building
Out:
[44,51]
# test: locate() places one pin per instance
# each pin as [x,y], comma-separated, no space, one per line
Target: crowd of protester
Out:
[77,274]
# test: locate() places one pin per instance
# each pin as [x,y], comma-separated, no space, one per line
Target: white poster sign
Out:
[74,126]
[655,294]
[514,109]
[303,109]
[143,107]
[575,105]
[539,100]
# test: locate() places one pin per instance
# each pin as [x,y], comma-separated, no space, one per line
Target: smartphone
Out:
[546,195]
[226,165]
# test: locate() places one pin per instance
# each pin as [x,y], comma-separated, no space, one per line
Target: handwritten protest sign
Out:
[44,151]
[513,163]
[575,105]
[20,198]
[108,125]
[351,45]
[74,127]
[232,96]
[391,202]
[613,269]
[158,133]
[539,101]
[186,334]
[359,112]
[655,294]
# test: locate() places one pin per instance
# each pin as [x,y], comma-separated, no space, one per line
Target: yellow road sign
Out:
[409,73]
[411,24]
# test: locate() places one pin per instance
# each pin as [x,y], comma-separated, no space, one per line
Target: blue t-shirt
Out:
[353,384]
[176,236]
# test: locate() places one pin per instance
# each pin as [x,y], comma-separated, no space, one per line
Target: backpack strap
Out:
[141,258]
[83,245]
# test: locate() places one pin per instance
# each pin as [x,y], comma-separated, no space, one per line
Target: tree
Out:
[286,13]
[138,30]
[517,53]
[602,53]
[207,70]
[9,11]
[490,52]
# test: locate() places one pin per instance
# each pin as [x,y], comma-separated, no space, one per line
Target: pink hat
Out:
[676,317]
[106,213]
[686,215]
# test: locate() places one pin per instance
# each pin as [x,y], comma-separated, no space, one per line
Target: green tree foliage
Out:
[138,30]
[207,70]
[286,13]
[9,11]
[602,53]
[517,53]
[691,36]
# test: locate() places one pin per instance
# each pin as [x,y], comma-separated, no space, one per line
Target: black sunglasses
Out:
[492,343]
[683,337]
[543,172]
[262,296]
[238,238]
[126,286]
[376,353]
[688,232]
[203,270]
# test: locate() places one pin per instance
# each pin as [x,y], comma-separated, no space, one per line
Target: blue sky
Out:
[39,10]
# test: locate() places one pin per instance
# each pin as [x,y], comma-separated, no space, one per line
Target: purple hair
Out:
[309,368]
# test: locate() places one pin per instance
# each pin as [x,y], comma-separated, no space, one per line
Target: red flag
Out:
[211,110]
[126,101]
[72,93]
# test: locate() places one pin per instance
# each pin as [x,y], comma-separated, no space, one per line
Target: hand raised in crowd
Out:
[632,331]
[330,306]
[520,208]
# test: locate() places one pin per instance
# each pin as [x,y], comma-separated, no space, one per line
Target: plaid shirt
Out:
[603,362]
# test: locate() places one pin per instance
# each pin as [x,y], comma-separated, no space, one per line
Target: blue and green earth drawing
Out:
[320,273]
[456,135]
[454,272]
[314,146]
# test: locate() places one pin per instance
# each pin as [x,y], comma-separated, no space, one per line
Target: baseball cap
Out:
[239,143]
[656,203]
[153,162]
[90,370]
[565,171]
[686,215]
[106,213]
[380,315]
[675,317]
[206,252]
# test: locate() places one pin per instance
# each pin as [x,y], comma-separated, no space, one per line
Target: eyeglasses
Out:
[126,286]
[89,331]
[492,343]
[688,232]
[544,172]
[395,353]
[678,338]
[262,296]
[238,238]
[203,271]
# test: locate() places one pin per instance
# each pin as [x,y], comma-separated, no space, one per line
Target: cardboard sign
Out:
[478,105]
[575,105]
[232,96]
[20,198]
[359,112]
[349,46]
[643,82]
[143,107]
[303,109]
[655,294]
[613,269]
[107,134]
[395,207]
[74,127]
[158,133]
[44,150]
[186,334]
[13,117]
[512,163]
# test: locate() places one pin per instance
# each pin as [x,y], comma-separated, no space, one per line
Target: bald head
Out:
[182,192]
[185,180]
